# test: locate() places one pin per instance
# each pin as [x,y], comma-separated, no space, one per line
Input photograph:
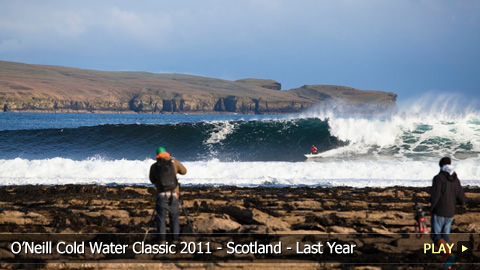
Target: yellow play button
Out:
[464,248]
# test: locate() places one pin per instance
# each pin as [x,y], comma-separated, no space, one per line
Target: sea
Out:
[398,147]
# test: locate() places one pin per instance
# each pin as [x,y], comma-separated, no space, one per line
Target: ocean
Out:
[395,148]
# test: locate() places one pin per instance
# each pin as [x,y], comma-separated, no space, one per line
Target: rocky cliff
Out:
[25,87]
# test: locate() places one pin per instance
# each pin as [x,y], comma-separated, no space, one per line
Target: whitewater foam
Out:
[430,126]
[346,173]
[220,132]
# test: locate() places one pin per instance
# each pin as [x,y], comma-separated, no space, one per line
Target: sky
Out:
[408,47]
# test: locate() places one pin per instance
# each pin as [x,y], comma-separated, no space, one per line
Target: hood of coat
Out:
[450,177]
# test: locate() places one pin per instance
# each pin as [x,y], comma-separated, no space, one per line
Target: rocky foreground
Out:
[379,222]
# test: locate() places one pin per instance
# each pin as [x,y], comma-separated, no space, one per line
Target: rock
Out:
[412,242]
[368,268]
[342,230]
[309,227]
[383,232]
[5,254]
[8,216]
[127,209]
[372,239]
[240,214]
[474,228]
[255,216]
[309,205]
[386,248]
[273,223]
[209,224]
[257,229]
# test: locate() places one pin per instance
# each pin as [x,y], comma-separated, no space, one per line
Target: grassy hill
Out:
[25,87]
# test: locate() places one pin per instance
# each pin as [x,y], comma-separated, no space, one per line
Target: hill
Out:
[26,87]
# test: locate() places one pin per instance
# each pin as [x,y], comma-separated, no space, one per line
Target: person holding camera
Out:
[163,174]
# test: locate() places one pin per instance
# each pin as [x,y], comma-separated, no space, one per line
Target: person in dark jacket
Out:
[446,193]
[163,174]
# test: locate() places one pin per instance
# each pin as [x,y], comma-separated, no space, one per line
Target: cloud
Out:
[342,41]
[129,22]
[30,26]
[142,28]
[9,45]
[255,17]
[220,23]
[70,24]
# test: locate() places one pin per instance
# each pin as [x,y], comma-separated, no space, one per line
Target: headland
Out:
[41,88]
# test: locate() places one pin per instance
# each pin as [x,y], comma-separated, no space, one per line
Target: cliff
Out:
[25,87]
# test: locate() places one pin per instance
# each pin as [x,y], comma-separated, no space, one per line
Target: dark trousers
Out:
[170,204]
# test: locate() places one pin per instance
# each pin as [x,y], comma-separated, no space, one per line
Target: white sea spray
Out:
[345,173]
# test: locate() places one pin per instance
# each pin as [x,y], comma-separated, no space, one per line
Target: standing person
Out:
[446,193]
[313,150]
[163,174]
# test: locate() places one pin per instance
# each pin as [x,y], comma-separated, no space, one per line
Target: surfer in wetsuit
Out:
[313,150]
[163,174]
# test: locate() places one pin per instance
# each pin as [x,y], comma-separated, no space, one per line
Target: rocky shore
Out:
[378,221]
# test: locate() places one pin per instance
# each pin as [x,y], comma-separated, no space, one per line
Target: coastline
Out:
[145,112]
[380,219]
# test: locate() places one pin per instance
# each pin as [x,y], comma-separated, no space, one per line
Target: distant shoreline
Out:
[159,113]
[28,87]
[133,112]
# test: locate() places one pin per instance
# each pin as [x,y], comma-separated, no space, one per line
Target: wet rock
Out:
[240,214]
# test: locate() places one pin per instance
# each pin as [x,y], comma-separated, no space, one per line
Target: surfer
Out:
[163,174]
[446,193]
[313,150]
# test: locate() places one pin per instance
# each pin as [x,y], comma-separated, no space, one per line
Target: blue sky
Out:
[408,47]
